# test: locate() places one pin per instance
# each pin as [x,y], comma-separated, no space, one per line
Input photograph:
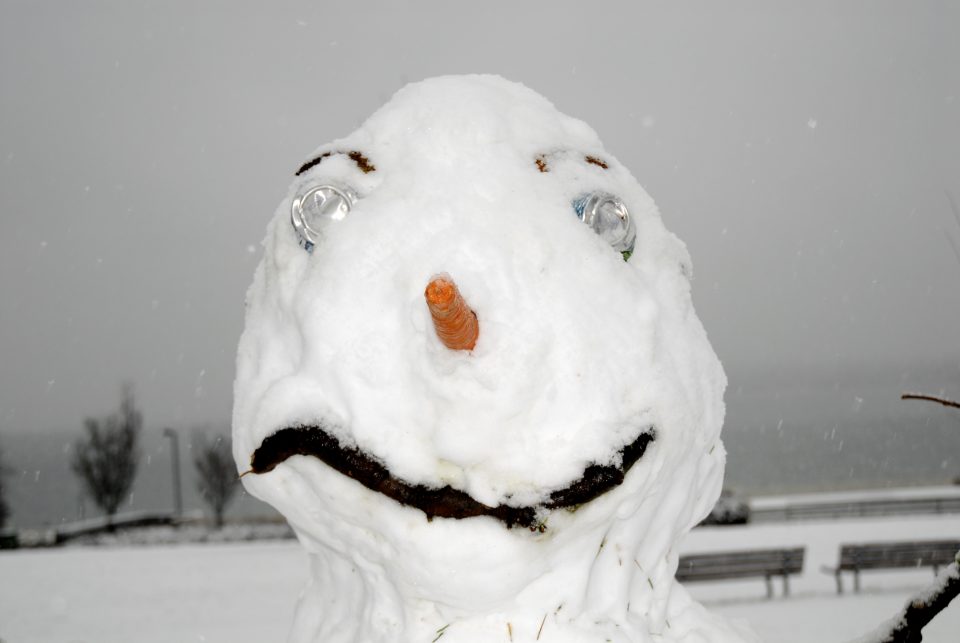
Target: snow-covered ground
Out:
[814,611]
[246,592]
[190,593]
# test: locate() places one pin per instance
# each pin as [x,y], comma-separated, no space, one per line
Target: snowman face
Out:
[319,204]
[588,364]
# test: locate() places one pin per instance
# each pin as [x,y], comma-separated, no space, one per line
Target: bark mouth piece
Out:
[443,502]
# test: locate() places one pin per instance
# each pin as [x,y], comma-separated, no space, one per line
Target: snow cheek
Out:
[709,481]
[363,356]
[466,565]
[463,565]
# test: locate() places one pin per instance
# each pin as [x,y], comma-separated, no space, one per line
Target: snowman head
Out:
[577,407]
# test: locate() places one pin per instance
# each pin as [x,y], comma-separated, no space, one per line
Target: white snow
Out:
[814,612]
[189,593]
[245,593]
[579,352]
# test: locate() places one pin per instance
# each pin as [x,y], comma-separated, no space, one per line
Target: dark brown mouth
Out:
[443,502]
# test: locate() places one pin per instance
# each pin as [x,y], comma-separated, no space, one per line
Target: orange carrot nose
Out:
[456,324]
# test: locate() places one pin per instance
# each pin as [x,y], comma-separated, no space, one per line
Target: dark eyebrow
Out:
[362,162]
[543,166]
[595,161]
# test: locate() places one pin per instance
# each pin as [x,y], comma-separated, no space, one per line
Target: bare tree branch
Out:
[931,398]
[106,459]
[217,479]
[906,626]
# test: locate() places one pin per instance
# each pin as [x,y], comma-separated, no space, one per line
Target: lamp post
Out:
[175,460]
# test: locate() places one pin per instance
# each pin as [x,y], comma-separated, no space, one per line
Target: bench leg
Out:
[786,585]
[856,581]
[839,583]
[769,586]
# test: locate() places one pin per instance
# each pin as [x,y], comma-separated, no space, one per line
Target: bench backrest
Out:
[898,554]
[740,564]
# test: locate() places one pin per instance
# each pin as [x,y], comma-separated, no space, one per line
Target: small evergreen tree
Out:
[217,479]
[106,458]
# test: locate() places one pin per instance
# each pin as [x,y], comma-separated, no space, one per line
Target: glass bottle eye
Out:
[316,208]
[607,215]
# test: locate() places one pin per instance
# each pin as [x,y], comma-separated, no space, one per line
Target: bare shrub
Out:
[217,479]
[106,458]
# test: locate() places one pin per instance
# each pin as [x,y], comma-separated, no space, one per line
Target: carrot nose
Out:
[455,323]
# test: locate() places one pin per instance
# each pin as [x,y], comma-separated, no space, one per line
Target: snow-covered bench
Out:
[892,555]
[754,563]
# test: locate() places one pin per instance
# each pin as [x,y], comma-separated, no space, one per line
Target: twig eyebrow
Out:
[311,163]
[543,166]
[595,161]
[357,157]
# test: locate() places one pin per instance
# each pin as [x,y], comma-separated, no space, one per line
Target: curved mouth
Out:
[444,502]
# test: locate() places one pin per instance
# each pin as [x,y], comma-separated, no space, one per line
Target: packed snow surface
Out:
[580,351]
[245,592]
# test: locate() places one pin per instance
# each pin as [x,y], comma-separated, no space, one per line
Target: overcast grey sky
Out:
[804,151]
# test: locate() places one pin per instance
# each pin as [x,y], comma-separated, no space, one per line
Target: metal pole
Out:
[175,459]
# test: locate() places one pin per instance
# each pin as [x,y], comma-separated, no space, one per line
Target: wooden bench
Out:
[755,563]
[892,555]
[8,539]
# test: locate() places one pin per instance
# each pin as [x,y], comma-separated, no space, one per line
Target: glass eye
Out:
[315,208]
[607,215]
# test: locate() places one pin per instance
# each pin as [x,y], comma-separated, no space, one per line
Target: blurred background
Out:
[807,153]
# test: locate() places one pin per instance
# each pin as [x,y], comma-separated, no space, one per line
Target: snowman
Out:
[473,381]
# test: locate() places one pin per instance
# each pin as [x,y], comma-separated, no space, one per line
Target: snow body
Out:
[579,351]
